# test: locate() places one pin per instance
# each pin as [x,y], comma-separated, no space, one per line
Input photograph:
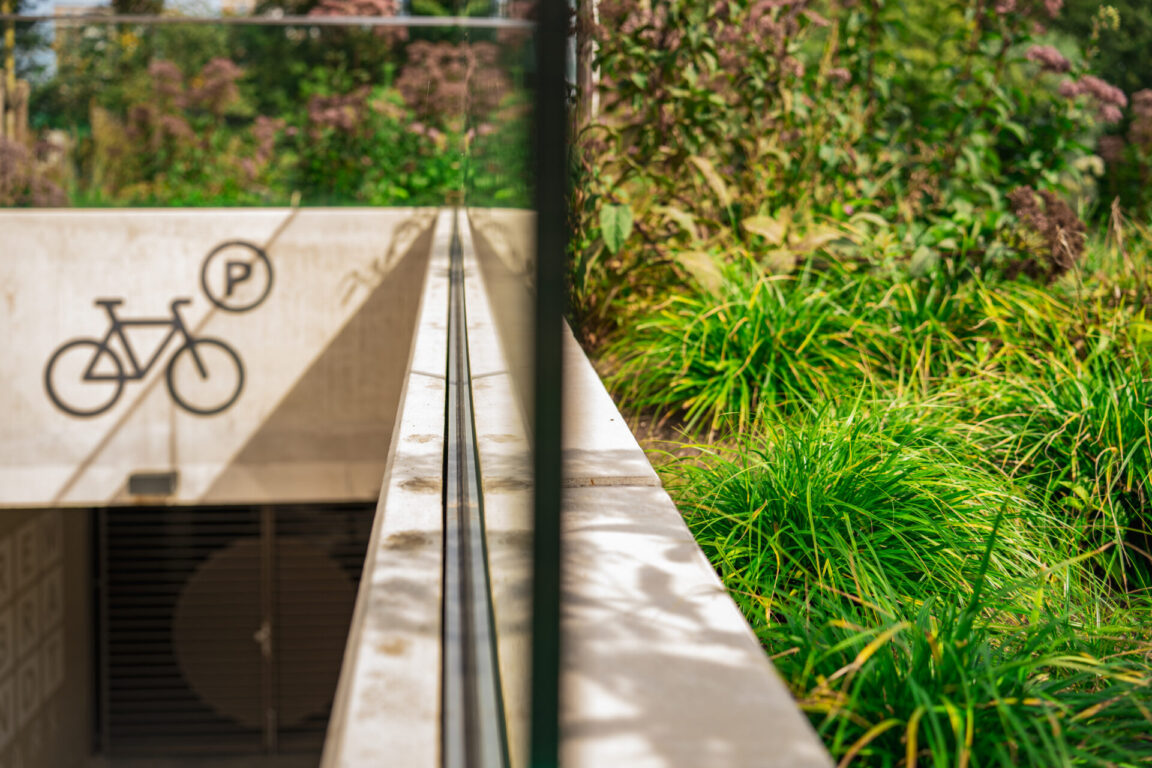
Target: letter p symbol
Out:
[235,272]
[236,276]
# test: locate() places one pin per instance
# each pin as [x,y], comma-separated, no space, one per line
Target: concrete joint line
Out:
[595,481]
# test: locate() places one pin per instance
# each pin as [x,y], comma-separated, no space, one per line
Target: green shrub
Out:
[850,497]
[1077,427]
[921,608]
[924,117]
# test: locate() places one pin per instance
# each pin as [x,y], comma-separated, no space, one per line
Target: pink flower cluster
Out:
[445,80]
[167,80]
[427,131]
[1111,148]
[839,75]
[484,129]
[218,85]
[523,10]
[1049,59]
[21,180]
[739,32]
[343,112]
[1140,132]
[1006,7]
[148,123]
[217,88]
[768,26]
[264,130]
[365,8]
[1109,99]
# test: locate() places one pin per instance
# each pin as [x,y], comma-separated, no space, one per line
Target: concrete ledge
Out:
[659,667]
[387,705]
[599,449]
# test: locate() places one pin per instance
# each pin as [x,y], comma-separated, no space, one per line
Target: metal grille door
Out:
[222,628]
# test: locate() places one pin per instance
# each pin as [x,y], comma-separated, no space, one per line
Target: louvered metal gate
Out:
[221,629]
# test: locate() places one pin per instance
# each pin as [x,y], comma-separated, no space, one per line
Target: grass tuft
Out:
[759,340]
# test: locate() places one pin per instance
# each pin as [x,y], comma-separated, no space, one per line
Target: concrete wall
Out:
[659,667]
[45,638]
[323,353]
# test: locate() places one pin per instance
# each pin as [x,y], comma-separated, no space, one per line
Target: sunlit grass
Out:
[930,495]
[718,357]
[923,609]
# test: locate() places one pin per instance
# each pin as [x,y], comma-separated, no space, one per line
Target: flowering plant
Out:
[791,128]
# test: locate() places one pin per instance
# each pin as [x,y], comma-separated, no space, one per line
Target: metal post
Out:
[585,78]
[551,165]
[9,70]
[266,636]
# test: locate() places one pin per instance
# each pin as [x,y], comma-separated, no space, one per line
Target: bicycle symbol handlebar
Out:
[85,377]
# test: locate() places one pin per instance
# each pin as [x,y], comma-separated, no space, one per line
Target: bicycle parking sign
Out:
[85,377]
[236,276]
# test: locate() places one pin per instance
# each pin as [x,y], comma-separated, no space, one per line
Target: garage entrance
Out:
[220,630]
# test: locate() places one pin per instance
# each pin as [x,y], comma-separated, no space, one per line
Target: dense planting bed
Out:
[886,267]
[930,498]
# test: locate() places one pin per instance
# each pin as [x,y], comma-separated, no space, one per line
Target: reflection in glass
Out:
[226,115]
[173,113]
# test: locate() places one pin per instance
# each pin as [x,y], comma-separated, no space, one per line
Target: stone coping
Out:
[659,666]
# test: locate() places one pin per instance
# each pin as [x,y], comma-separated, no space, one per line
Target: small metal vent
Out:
[223,628]
[152,483]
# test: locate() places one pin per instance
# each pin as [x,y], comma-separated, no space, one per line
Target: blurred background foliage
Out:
[1121,54]
[802,126]
[200,114]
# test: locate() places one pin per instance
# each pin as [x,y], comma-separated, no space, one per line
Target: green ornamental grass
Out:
[717,357]
[923,610]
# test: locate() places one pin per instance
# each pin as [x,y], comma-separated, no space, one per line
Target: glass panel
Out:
[502,229]
[214,236]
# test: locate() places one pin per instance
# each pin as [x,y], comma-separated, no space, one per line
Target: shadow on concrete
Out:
[662,670]
[329,436]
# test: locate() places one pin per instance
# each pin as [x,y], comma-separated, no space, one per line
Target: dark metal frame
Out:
[551,165]
[430,22]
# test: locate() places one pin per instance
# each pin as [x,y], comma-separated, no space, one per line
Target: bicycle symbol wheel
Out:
[74,371]
[205,376]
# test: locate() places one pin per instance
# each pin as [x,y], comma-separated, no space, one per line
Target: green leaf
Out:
[703,268]
[1017,130]
[817,237]
[615,226]
[681,217]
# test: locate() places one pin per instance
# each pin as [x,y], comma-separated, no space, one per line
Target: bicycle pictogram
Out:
[86,376]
